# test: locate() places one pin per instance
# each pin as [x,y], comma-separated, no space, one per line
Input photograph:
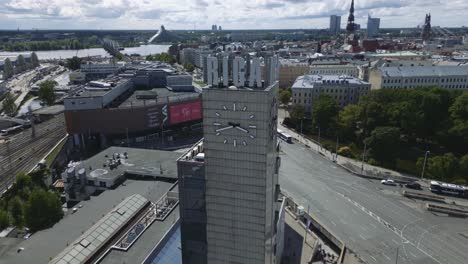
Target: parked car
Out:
[413,185]
[388,182]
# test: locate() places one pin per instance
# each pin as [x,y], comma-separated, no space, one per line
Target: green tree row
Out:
[29,203]
[46,45]
[398,125]
[164,57]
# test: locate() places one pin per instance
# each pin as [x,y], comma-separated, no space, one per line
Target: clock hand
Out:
[224,128]
[242,129]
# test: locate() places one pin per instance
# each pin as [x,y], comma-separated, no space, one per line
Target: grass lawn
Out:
[49,159]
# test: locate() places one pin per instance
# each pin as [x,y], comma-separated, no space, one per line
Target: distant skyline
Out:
[233,14]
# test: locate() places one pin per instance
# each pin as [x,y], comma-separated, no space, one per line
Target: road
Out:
[372,219]
[22,152]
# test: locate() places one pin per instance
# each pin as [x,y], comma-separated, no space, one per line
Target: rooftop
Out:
[144,162]
[164,95]
[309,81]
[92,240]
[74,225]
[424,71]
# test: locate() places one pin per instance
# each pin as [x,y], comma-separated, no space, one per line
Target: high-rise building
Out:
[229,181]
[335,24]
[373,26]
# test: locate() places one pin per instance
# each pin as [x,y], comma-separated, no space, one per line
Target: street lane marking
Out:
[389,226]
[374,226]
[396,242]
[387,257]
[372,257]
[333,223]
[363,238]
[412,254]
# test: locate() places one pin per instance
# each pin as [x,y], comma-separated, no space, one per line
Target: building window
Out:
[102,184]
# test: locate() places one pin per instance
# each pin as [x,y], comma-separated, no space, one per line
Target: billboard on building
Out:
[185,112]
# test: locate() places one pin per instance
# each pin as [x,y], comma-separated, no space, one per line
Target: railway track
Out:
[23,153]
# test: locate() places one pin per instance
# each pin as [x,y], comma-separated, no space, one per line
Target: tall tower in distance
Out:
[351,27]
[335,24]
[427,29]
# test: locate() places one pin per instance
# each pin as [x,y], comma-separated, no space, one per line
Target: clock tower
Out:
[241,173]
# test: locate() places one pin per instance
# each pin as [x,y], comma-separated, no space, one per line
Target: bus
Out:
[284,136]
[449,189]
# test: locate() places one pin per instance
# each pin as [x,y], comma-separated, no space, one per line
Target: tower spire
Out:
[351,27]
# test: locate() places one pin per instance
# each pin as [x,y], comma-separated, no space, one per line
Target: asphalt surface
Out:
[374,220]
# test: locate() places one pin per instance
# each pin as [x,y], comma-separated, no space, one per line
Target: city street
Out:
[374,220]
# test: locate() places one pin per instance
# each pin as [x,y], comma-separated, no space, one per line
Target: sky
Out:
[230,14]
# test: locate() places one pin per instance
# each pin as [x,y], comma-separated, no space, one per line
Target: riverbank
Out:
[142,50]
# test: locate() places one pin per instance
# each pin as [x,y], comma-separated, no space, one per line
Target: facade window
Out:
[102,184]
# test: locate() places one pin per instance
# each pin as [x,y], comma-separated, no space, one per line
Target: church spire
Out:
[351,27]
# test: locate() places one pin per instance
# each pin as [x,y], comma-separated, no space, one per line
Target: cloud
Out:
[235,14]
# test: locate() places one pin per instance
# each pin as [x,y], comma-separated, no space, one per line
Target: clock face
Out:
[243,132]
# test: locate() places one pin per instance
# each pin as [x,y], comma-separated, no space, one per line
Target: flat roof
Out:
[73,225]
[145,162]
[146,243]
[424,71]
[164,95]
[309,81]
[94,238]
[50,110]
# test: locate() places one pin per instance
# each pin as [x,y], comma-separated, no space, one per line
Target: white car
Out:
[388,182]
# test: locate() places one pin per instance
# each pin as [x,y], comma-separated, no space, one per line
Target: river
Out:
[65,54]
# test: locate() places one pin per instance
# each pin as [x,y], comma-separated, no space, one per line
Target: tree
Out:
[4,219]
[463,167]
[9,106]
[47,92]
[324,112]
[42,210]
[384,143]
[73,63]
[297,113]
[34,60]
[189,67]
[459,116]
[442,167]
[16,211]
[285,97]
[7,69]
[20,64]
[348,120]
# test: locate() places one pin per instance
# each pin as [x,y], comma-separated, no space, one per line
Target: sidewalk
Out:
[353,166]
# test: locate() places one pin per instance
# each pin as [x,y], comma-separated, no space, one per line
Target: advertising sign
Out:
[185,112]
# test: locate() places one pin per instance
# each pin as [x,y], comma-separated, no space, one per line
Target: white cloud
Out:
[235,14]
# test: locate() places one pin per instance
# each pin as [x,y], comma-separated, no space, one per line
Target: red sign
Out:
[185,112]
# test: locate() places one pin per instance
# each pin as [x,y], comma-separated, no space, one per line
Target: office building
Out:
[373,27]
[339,69]
[448,77]
[344,89]
[335,24]
[229,182]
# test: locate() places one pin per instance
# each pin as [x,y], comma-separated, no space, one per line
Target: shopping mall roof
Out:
[83,248]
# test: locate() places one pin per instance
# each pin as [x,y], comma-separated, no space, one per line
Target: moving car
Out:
[388,182]
[413,185]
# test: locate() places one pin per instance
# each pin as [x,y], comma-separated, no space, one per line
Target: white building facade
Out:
[344,89]
[448,77]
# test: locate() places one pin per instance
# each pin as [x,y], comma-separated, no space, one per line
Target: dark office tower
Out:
[351,27]
[427,33]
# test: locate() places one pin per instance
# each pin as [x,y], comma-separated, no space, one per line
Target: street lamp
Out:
[424,165]
[319,146]
[363,157]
